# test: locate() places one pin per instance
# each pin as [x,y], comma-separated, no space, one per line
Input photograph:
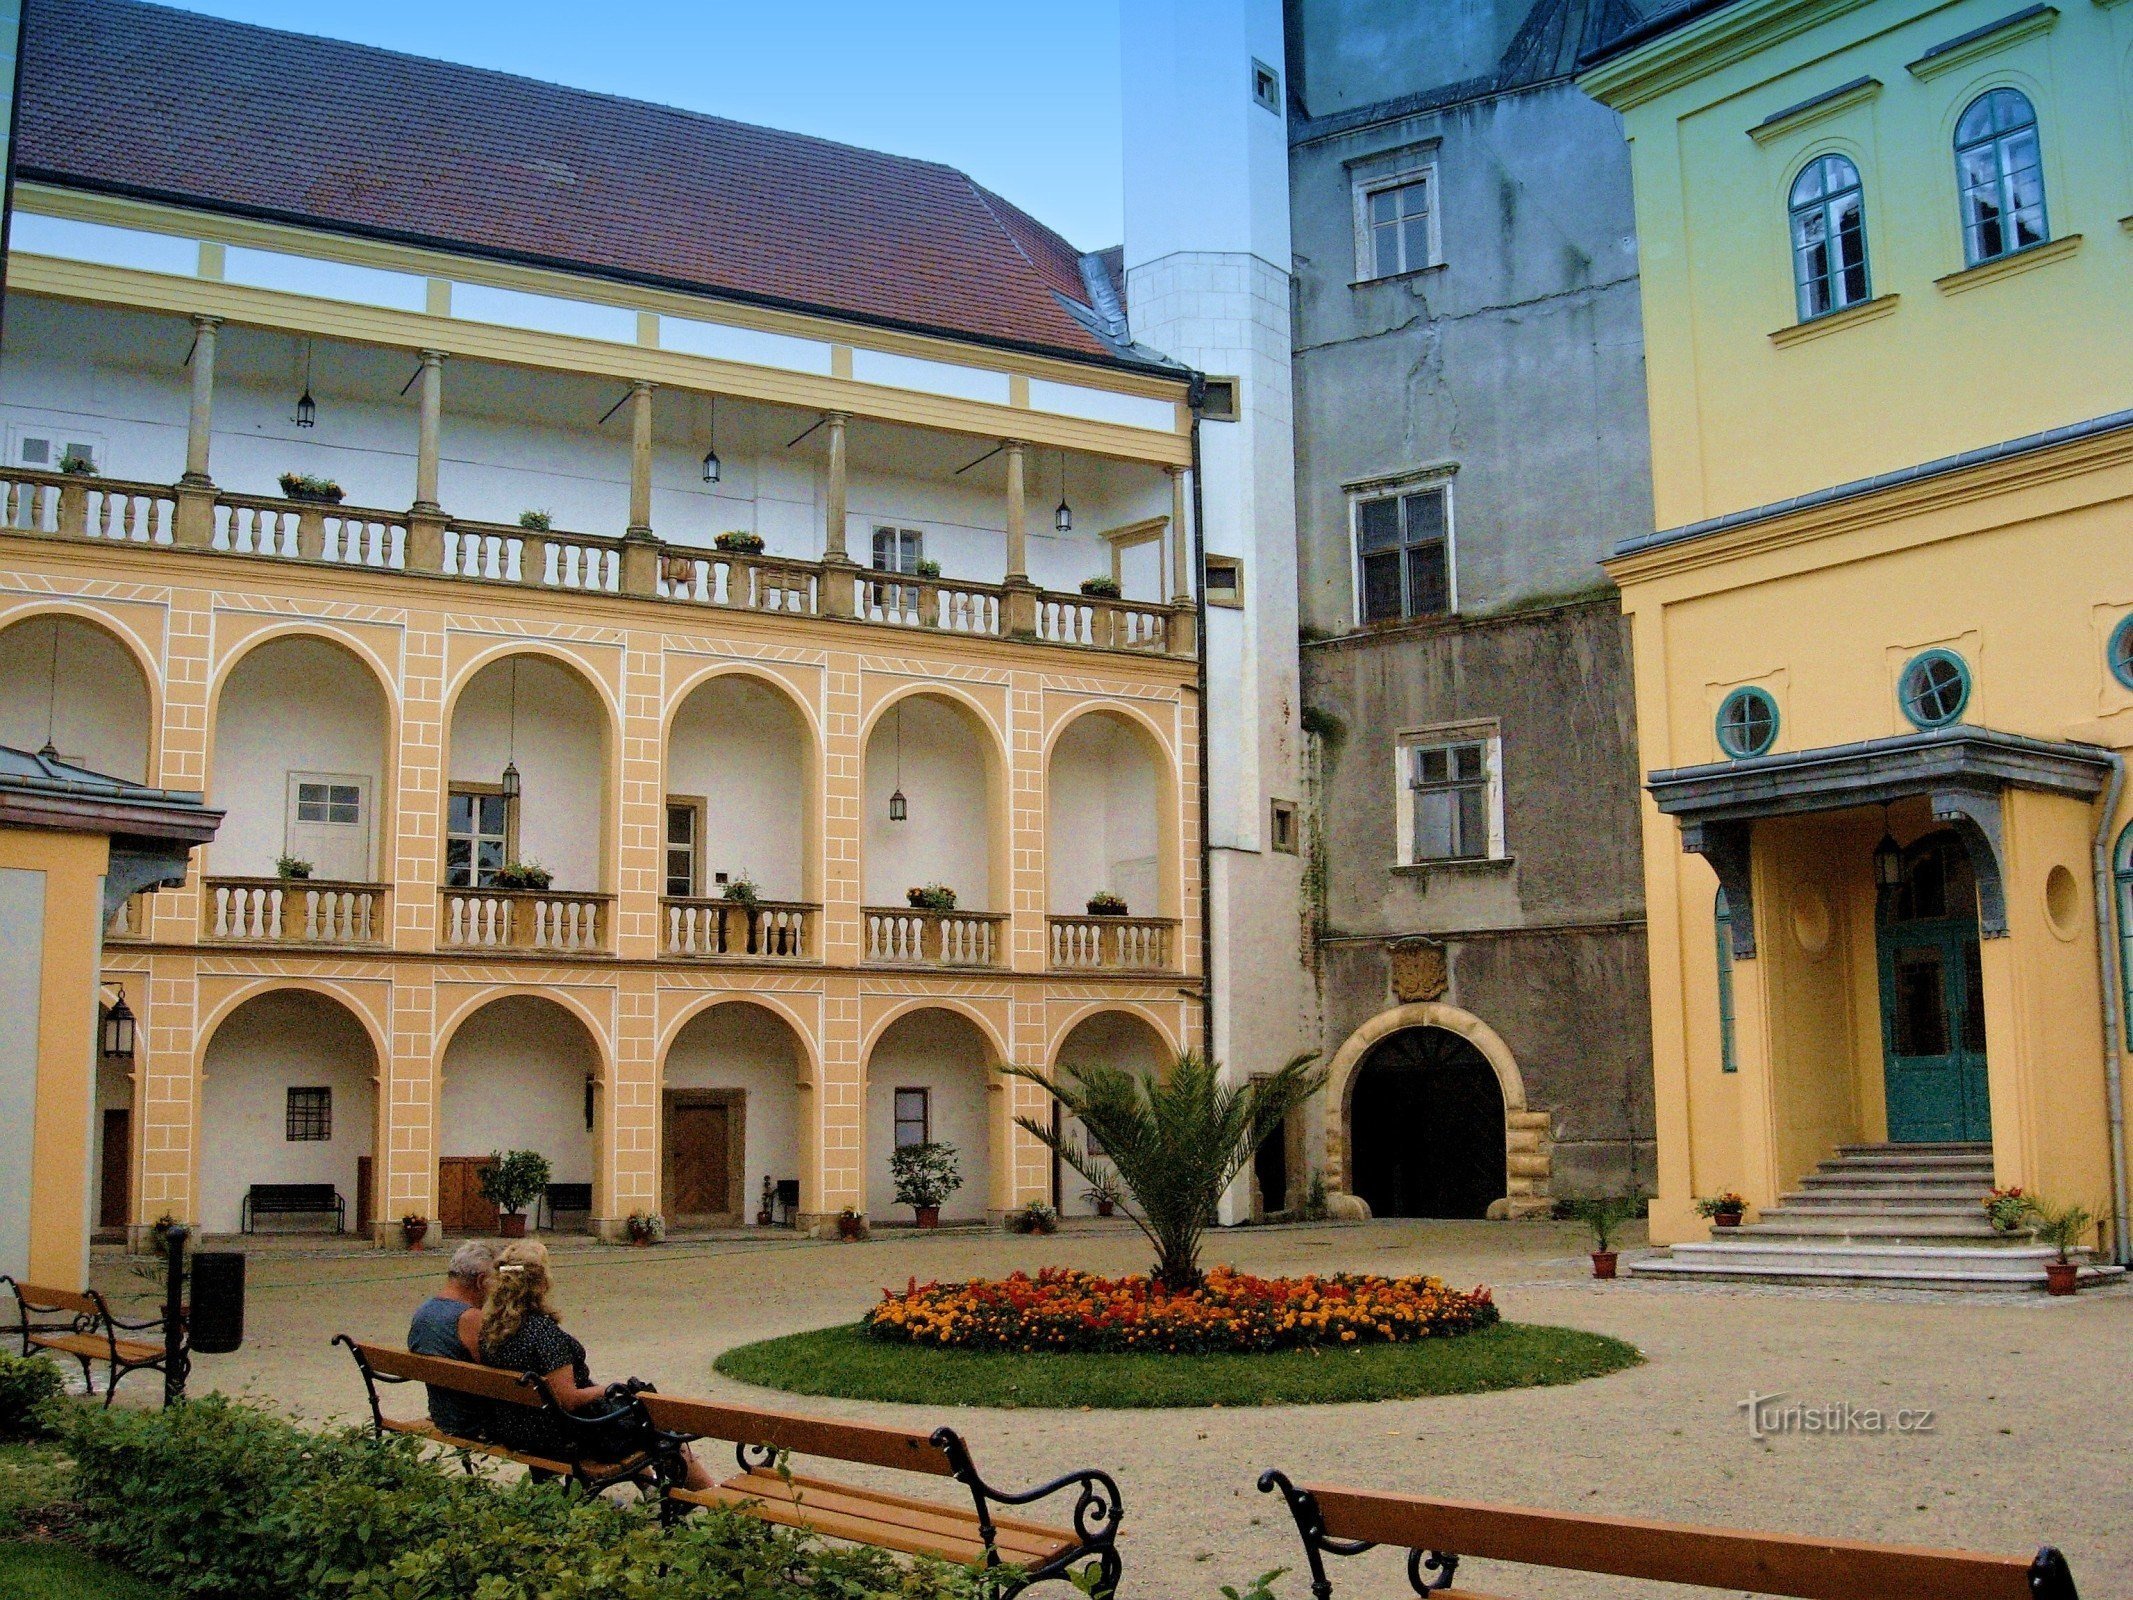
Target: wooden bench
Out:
[576,1198]
[293,1199]
[86,1330]
[971,1534]
[1439,1534]
[384,1364]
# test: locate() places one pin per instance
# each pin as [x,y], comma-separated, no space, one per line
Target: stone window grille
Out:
[309,1116]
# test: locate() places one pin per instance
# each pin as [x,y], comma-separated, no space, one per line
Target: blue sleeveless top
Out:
[435,1332]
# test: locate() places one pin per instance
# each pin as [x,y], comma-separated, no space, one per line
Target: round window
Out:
[1747,722]
[1934,689]
[2121,651]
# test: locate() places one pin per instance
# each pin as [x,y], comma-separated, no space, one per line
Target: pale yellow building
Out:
[1884,663]
[644,330]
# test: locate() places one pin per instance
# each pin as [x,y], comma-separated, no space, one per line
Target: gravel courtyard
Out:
[2028,1439]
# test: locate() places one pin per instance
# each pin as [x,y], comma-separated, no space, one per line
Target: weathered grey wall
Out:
[1516,365]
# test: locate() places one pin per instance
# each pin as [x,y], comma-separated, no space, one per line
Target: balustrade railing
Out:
[735,930]
[294,911]
[552,921]
[81,506]
[130,921]
[1113,944]
[900,937]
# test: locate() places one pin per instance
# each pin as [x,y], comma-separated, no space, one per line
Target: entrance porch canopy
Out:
[1961,770]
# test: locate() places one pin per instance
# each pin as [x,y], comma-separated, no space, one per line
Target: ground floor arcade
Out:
[712,1099]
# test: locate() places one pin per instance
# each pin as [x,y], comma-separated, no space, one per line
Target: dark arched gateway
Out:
[1426,1127]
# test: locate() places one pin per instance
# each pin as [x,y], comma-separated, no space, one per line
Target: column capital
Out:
[435,358]
[642,386]
[205,321]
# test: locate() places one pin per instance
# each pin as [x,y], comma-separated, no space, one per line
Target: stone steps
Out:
[1913,1266]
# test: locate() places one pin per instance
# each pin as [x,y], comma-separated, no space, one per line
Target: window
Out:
[1403,555]
[914,1117]
[1728,1058]
[1934,689]
[2119,652]
[476,837]
[898,549]
[683,833]
[309,1116]
[1747,722]
[1828,237]
[339,803]
[1284,826]
[1396,221]
[1225,581]
[1451,791]
[1218,400]
[2001,174]
[1266,87]
[42,449]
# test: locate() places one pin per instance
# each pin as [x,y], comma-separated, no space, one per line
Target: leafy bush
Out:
[926,1174]
[514,1179]
[216,1500]
[27,1385]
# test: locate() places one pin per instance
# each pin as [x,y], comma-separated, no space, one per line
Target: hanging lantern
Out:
[712,469]
[510,785]
[1063,518]
[306,407]
[118,1029]
[899,808]
[1888,861]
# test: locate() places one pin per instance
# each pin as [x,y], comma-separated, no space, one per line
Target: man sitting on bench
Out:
[448,1324]
[520,1332]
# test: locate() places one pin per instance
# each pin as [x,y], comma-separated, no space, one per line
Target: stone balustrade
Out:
[554,922]
[897,936]
[81,506]
[130,921]
[735,930]
[303,911]
[1113,944]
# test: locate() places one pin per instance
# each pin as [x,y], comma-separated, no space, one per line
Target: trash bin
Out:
[216,1325]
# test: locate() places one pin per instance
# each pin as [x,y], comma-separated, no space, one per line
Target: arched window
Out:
[1728,1059]
[2123,879]
[1828,237]
[2001,175]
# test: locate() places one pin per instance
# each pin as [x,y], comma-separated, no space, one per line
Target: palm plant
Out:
[1176,1139]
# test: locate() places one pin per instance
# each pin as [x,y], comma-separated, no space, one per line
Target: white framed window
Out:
[477,835]
[914,1117]
[327,823]
[1402,534]
[1266,87]
[1397,228]
[898,549]
[42,448]
[1450,795]
[684,846]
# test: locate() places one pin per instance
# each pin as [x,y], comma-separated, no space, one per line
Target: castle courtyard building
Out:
[1883,623]
[599,559]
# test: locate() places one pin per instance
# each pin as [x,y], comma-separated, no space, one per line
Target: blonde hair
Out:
[521,1290]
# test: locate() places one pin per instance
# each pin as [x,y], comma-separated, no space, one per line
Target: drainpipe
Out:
[1194,397]
[2113,1022]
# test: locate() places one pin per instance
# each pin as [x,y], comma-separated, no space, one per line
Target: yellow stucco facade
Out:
[1817,545]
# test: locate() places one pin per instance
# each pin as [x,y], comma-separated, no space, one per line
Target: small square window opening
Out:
[309,1116]
[1284,831]
[1225,581]
[1218,400]
[1266,87]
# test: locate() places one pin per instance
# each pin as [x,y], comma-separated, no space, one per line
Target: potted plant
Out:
[521,875]
[739,542]
[1104,1191]
[414,1228]
[1036,1217]
[762,1209]
[645,1228]
[2062,1228]
[850,1224]
[931,897]
[512,1180]
[534,520]
[1103,903]
[927,567]
[1723,1209]
[1605,1214]
[1103,588]
[317,491]
[742,891]
[291,867]
[2007,1209]
[78,466]
[926,1174]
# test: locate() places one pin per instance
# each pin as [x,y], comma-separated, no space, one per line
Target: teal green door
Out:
[1933,1031]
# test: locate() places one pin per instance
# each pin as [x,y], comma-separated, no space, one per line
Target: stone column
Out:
[1017,514]
[837,586]
[1185,617]
[193,523]
[425,519]
[640,551]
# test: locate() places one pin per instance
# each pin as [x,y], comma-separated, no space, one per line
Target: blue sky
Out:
[1024,98]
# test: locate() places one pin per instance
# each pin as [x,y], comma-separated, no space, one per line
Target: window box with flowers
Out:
[313,491]
[740,542]
[931,897]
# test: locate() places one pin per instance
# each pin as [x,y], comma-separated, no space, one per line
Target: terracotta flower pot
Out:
[928,1216]
[762,1219]
[414,1232]
[511,1225]
[1105,1208]
[1727,1219]
[2060,1277]
[1603,1263]
[851,1227]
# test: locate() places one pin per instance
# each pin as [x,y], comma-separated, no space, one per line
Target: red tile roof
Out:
[145,100]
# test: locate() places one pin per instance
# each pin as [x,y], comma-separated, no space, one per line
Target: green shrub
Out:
[217,1500]
[27,1384]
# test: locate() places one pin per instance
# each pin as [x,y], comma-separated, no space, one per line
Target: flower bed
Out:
[1061,1309]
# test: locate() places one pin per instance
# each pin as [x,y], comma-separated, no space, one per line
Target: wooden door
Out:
[364,1210]
[699,1158]
[116,1179]
[460,1207]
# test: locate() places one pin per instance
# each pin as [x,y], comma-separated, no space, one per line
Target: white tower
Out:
[1207,283]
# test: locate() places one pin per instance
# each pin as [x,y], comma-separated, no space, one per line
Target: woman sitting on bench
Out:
[520,1332]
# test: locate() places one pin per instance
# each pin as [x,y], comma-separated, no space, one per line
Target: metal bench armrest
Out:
[1098,1507]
